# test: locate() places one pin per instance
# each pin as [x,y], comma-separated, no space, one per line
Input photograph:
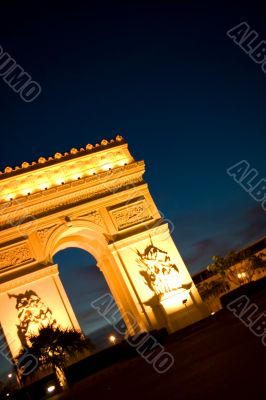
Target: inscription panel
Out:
[131,214]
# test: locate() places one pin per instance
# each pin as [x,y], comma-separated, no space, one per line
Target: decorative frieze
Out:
[15,256]
[28,212]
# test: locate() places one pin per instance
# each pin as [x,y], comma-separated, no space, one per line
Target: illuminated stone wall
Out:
[31,301]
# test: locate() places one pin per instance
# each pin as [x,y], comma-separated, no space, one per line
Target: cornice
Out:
[59,157]
[71,194]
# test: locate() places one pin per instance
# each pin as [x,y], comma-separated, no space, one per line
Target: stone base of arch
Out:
[29,301]
[166,299]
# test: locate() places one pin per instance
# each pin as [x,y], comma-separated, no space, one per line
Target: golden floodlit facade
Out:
[93,198]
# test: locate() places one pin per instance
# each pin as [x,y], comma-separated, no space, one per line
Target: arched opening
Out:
[87,236]
[84,283]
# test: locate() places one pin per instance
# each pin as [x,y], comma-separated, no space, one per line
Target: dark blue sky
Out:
[165,76]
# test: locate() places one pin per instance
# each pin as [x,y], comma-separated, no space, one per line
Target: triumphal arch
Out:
[93,198]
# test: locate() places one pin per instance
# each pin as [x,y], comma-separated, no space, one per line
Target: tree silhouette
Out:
[53,347]
[224,266]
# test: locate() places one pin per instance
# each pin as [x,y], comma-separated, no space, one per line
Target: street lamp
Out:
[241,276]
[112,339]
[50,389]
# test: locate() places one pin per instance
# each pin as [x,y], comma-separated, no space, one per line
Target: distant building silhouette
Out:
[212,286]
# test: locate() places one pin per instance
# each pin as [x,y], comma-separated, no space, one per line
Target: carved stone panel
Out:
[44,233]
[131,214]
[15,256]
[160,273]
[94,217]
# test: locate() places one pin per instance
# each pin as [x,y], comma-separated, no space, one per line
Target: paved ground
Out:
[221,359]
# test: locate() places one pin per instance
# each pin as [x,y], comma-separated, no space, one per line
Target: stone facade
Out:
[93,198]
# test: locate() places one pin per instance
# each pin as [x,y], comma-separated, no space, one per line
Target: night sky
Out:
[165,76]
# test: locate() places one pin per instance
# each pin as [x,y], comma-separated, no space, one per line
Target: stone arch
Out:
[94,198]
[78,233]
[86,235]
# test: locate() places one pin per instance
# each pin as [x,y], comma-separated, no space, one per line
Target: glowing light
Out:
[122,161]
[9,376]
[26,192]
[175,301]
[112,339]
[50,389]
[59,181]
[77,177]
[44,186]
[213,313]
[108,166]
